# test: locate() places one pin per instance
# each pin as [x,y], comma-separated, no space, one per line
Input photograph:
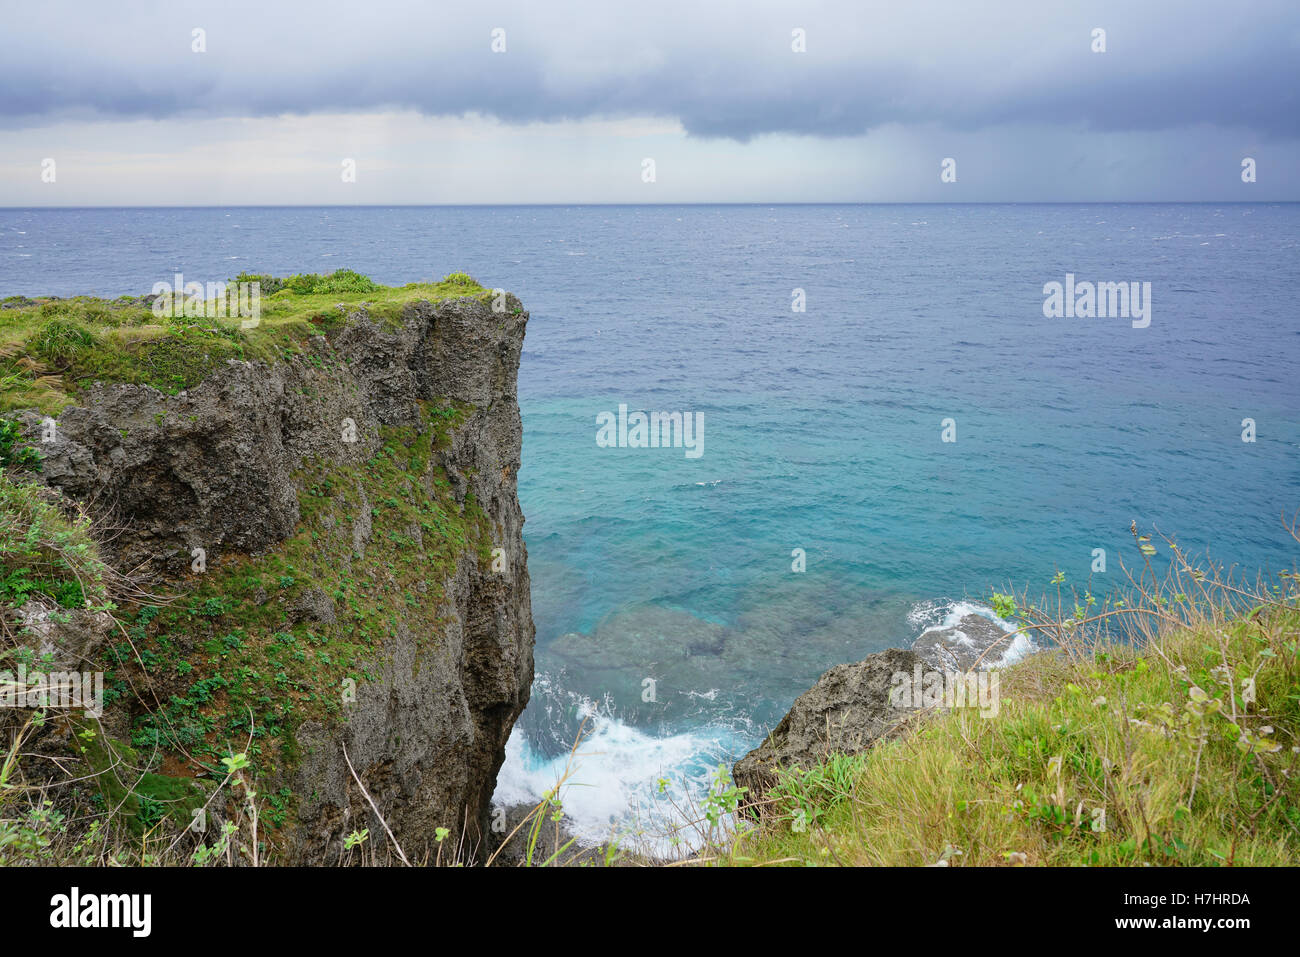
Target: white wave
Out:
[1021,646]
[942,613]
[938,613]
[613,786]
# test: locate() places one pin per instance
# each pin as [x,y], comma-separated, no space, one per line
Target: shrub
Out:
[60,340]
[340,281]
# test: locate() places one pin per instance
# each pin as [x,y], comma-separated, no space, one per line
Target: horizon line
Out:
[1086,202]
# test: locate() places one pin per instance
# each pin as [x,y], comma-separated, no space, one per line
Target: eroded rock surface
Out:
[215,475]
[845,712]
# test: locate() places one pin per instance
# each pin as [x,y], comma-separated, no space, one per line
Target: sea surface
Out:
[671,622]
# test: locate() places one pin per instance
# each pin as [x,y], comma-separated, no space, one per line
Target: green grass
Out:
[1106,757]
[52,350]
[45,553]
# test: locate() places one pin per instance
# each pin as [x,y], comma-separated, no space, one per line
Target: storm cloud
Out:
[722,70]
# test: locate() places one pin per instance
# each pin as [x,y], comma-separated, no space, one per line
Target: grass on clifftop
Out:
[53,349]
[1181,748]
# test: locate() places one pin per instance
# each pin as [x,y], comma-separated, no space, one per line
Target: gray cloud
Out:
[722,69]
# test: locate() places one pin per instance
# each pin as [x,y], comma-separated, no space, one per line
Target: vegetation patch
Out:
[1178,744]
[229,667]
[235,665]
[45,553]
[51,350]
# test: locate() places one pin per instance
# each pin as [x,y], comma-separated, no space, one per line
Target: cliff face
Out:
[340,538]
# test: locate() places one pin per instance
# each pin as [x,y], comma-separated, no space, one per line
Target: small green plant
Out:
[60,340]
[723,798]
[552,808]
[14,453]
[460,279]
[804,796]
[204,854]
[43,552]
[1004,606]
[339,281]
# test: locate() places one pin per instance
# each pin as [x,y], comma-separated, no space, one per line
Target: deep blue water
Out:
[822,429]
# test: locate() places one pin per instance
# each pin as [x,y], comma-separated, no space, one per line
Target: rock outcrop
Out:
[340,537]
[851,707]
[845,712]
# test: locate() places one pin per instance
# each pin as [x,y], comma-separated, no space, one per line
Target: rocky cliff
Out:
[331,546]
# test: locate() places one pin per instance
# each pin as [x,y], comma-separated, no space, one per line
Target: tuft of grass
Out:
[61,340]
[310,284]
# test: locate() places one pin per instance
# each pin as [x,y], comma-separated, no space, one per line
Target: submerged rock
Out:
[666,669]
[975,641]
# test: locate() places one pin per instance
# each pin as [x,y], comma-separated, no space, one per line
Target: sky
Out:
[659,101]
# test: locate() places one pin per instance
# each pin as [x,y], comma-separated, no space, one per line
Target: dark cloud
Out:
[722,70]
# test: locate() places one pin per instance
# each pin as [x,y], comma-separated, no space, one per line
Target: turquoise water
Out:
[823,432]
[821,429]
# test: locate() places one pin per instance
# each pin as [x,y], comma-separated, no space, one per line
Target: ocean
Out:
[671,618]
